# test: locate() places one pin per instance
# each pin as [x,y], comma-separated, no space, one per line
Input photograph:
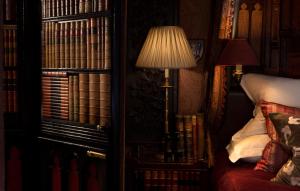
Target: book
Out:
[67,45]
[72,45]
[77,44]
[71,98]
[93,44]
[83,97]
[76,97]
[83,45]
[200,135]
[62,46]
[94,102]
[105,99]
[187,120]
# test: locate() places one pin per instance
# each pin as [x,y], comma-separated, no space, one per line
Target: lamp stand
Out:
[167,137]
[166,85]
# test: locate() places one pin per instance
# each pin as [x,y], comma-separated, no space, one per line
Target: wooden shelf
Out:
[73,70]
[80,16]
[74,133]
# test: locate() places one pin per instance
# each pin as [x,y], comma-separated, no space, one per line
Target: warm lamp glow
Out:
[166,47]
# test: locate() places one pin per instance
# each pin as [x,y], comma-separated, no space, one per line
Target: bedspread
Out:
[240,176]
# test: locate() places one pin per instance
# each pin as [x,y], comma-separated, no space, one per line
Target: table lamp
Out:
[237,52]
[166,47]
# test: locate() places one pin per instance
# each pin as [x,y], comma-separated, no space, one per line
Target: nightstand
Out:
[171,176]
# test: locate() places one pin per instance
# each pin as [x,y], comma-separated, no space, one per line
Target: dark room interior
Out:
[149,95]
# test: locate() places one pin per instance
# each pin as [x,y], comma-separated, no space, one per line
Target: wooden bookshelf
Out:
[78,44]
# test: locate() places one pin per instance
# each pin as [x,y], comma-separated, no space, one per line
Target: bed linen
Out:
[240,176]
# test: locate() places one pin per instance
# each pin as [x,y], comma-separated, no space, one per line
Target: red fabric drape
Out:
[14,170]
[56,175]
[92,183]
[73,176]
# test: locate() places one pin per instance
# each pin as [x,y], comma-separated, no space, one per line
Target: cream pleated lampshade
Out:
[166,47]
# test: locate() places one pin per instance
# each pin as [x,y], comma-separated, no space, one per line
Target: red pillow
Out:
[273,155]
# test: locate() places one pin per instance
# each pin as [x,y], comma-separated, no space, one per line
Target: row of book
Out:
[187,143]
[56,8]
[10,91]
[169,179]
[9,45]
[83,97]
[83,44]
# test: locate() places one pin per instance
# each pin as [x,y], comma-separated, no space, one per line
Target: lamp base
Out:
[238,73]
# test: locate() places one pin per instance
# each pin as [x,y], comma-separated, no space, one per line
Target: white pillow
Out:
[280,90]
[255,126]
[249,147]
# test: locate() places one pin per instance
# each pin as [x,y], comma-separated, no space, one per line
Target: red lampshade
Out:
[237,52]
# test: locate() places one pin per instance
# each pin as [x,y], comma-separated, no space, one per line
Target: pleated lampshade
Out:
[166,47]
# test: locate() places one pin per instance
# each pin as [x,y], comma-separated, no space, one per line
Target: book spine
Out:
[76,98]
[180,138]
[83,44]
[67,45]
[71,98]
[58,8]
[188,138]
[81,6]
[62,7]
[76,7]
[66,7]
[88,41]
[200,135]
[57,45]
[102,43]
[83,97]
[94,101]
[77,44]
[98,38]
[105,100]
[93,43]
[71,7]
[62,45]
[72,45]
[52,65]
[107,44]
[88,6]
[194,137]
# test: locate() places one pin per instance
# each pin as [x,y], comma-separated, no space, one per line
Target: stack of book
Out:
[170,179]
[83,97]
[55,88]
[189,146]
[55,8]
[83,44]
[9,65]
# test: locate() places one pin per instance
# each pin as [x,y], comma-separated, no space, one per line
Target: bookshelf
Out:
[80,88]
[76,73]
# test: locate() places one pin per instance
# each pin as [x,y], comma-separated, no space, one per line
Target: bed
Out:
[238,173]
